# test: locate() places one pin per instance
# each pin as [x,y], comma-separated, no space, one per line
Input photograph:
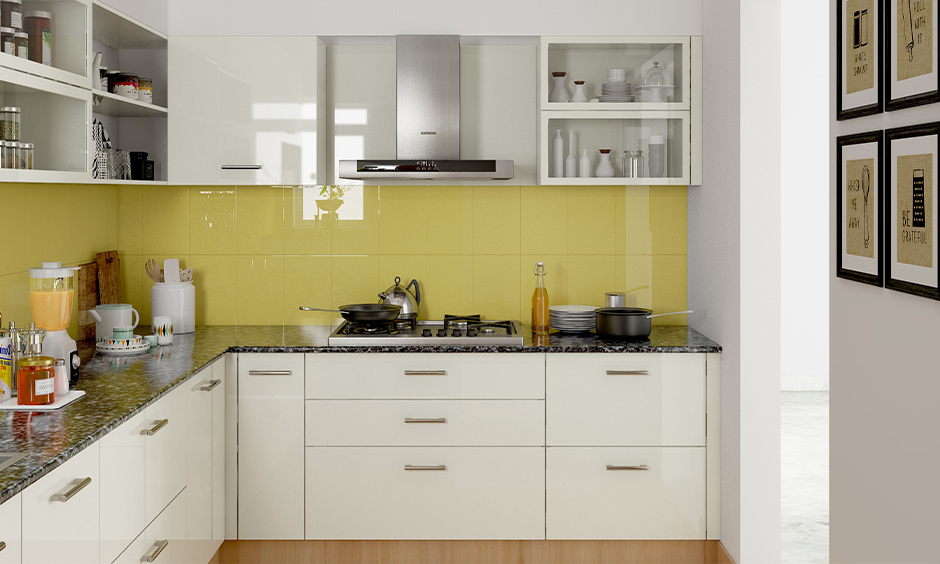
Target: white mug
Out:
[163,329]
[109,316]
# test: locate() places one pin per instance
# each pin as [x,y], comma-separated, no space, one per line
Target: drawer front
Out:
[425,423]
[425,376]
[625,399]
[366,493]
[55,530]
[166,535]
[586,500]
[123,486]
[10,531]
[165,450]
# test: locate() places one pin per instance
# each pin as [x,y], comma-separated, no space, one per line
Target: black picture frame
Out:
[897,96]
[895,280]
[872,144]
[874,26]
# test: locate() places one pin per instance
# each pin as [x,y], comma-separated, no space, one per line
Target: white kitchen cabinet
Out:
[60,513]
[71,20]
[205,459]
[425,493]
[165,430]
[164,540]
[625,493]
[270,446]
[11,545]
[247,110]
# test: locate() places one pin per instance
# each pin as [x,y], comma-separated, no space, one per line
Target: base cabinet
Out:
[164,540]
[11,547]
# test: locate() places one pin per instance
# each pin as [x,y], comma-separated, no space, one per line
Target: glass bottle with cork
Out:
[540,323]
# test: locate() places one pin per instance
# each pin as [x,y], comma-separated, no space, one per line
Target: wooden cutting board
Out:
[86,295]
[109,278]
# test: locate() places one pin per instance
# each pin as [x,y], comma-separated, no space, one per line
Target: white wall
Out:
[804,200]
[884,421]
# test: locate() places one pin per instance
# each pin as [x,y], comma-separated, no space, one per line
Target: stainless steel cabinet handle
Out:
[241,167]
[628,372]
[2,546]
[158,548]
[409,467]
[269,372]
[425,420]
[75,489]
[425,373]
[212,384]
[637,467]
[153,430]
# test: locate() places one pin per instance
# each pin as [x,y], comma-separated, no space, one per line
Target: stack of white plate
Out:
[572,318]
[120,347]
[617,92]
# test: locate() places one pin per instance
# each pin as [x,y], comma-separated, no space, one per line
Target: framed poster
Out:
[911,209]
[859,201]
[858,46]
[911,53]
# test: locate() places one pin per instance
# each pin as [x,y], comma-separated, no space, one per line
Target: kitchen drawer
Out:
[123,486]
[166,534]
[586,500]
[425,423]
[64,530]
[426,376]
[625,399]
[484,493]
[165,450]
[10,531]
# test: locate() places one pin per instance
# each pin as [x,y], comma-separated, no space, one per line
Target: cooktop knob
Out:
[471,332]
[457,333]
[442,332]
[426,333]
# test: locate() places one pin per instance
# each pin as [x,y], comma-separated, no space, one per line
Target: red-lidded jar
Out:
[35,377]
[125,84]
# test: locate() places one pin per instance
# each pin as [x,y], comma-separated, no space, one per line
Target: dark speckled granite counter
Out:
[117,388]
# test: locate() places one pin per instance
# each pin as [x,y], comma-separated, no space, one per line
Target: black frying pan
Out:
[364,313]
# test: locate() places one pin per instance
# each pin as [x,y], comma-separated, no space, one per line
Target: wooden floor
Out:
[471,552]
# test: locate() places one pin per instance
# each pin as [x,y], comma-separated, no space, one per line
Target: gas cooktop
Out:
[452,330]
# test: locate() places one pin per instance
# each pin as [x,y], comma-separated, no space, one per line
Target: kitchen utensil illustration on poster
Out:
[859,214]
[912,264]
[859,47]
[860,89]
[912,53]
[859,200]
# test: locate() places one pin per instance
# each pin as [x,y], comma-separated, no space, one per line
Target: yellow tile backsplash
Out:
[258,252]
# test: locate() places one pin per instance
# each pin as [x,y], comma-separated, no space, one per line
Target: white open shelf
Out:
[111,104]
[118,31]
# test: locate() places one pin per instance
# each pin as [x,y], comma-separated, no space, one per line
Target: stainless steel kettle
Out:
[399,295]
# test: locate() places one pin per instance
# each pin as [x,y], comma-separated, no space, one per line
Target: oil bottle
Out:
[540,323]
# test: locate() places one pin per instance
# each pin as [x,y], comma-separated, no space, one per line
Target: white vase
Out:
[585,165]
[571,163]
[579,95]
[604,168]
[558,156]
[559,93]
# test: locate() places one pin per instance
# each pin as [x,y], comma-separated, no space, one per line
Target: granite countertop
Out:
[117,388]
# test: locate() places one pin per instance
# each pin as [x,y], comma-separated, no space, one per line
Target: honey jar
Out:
[35,377]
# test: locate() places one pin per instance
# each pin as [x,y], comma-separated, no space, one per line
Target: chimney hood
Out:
[428,133]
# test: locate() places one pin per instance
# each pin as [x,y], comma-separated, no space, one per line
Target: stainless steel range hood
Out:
[428,102]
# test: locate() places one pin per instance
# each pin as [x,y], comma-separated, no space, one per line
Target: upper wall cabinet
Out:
[246,110]
[638,98]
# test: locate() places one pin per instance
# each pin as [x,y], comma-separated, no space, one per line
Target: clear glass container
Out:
[654,76]
[8,40]
[540,321]
[10,123]
[26,150]
[7,154]
[22,44]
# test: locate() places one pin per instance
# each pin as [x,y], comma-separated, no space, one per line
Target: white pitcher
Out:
[109,316]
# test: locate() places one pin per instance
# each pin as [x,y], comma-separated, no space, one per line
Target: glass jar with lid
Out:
[11,14]
[35,376]
[10,123]
[655,76]
[22,44]
[7,154]
[26,150]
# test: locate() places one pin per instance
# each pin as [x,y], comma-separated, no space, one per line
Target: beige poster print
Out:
[860,208]
[914,195]
[859,45]
[914,38]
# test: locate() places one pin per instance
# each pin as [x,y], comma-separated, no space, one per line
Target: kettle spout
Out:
[94,315]
[383,295]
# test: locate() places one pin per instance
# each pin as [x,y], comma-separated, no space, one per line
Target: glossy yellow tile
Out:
[354,280]
[670,279]
[260,290]
[64,243]
[635,279]
[355,230]
[14,299]
[37,244]
[212,226]
[131,220]
[450,220]
[591,220]
[132,282]
[495,282]
[655,221]
[307,231]
[674,220]
[449,286]
[402,223]
[638,236]
[166,220]
[496,220]
[215,278]
[16,234]
[260,214]
[590,277]
[544,220]
[95,209]
[406,267]
[556,282]
[307,282]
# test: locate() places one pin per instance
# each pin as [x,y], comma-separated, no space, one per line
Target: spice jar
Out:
[7,154]
[7,40]
[11,14]
[27,152]
[22,44]
[10,123]
[145,90]
[35,377]
[19,155]
[125,84]
[38,25]
[103,77]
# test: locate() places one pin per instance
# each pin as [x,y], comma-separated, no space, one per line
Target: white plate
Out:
[573,308]
[123,351]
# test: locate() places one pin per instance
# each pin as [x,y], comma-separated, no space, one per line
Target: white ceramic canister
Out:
[176,300]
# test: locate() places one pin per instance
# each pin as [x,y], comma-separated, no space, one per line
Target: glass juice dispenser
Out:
[51,293]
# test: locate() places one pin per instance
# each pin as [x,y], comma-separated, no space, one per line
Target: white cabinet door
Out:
[123,486]
[60,513]
[11,547]
[218,454]
[164,540]
[425,493]
[253,103]
[270,446]
[165,431]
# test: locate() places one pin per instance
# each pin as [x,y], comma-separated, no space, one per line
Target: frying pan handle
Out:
[670,313]
[304,308]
